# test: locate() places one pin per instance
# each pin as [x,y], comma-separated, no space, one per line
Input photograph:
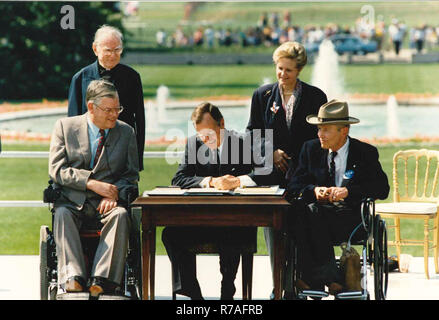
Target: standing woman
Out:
[283,107]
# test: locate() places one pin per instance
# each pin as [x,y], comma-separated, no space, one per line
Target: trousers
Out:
[316,230]
[109,260]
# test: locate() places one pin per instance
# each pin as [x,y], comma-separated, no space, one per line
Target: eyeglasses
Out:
[109,110]
[108,51]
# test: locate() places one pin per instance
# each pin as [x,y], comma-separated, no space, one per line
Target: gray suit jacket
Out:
[70,156]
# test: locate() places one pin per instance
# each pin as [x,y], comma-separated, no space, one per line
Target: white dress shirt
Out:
[244,180]
[340,162]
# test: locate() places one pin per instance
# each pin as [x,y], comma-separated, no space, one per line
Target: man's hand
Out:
[280,159]
[104,189]
[227,182]
[321,194]
[332,194]
[337,194]
[106,205]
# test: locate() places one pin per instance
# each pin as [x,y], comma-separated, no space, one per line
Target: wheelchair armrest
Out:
[127,196]
[51,193]
[132,194]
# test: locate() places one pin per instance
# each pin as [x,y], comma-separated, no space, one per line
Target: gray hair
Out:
[107,30]
[98,89]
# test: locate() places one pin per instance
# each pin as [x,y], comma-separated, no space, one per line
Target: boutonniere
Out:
[274,109]
[348,174]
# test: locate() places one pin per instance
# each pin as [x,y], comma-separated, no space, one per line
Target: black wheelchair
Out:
[374,257]
[131,287]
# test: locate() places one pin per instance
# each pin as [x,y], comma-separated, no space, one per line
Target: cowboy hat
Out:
[332,112]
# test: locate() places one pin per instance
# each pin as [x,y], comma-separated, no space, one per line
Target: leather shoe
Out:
[192,294]
[302,285]
[335,288]
[74,284]
[100,285]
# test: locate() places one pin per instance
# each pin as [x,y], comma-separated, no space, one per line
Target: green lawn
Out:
[24,179]
[206,81]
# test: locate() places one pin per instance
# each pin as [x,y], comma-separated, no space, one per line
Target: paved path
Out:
[19,279]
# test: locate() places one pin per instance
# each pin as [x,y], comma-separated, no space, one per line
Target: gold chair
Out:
[417,198]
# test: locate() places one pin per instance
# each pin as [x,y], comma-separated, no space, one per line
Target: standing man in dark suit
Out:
[335,172]
[215,157]
[108,48]
[93,160]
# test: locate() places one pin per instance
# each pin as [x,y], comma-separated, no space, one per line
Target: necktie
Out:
[218,160]
[332,155]
[100,146]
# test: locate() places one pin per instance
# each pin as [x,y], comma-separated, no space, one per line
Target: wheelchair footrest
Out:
[86,296]
[73,296]
[313,294]
[353,295]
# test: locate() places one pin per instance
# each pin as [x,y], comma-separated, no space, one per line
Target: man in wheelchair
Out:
[93,162]
[335,172]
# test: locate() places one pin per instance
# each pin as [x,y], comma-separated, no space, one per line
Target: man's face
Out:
[332,136]
[108,50]
[105,114]
[209,131]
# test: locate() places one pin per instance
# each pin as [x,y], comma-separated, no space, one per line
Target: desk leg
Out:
[152,263]
[145,263]
[279,255]
[148,237]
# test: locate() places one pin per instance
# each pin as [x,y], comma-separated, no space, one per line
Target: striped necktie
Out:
[100,146]
[332,155]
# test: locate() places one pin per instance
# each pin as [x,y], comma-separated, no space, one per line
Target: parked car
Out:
[347,44]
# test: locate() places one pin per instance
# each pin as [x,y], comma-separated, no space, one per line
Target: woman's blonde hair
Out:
[291,50]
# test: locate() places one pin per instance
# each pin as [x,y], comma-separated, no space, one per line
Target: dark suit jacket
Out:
[195,165]
[368,178]
[129,88]
[290,141]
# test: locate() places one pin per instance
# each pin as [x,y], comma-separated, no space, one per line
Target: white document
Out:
[165,192]
[206,191]
[271,190]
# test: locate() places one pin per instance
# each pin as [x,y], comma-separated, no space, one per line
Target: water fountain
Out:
[392,117]
[326,72]
[156,112]
[152,123]
[266,80]
[162,98]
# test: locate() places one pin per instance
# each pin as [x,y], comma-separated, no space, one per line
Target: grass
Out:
[201,81]
[24,179]
[206,81]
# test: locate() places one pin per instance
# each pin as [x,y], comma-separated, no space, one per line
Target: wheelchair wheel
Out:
[44,269]
[380,263]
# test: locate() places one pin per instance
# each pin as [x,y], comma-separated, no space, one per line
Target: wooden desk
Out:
[210,210]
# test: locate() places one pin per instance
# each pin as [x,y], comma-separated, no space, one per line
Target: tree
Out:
[37,56]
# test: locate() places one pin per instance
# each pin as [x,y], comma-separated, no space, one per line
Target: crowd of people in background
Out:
[274,29]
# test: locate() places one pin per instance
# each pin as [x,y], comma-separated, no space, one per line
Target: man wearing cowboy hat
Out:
[335,172]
